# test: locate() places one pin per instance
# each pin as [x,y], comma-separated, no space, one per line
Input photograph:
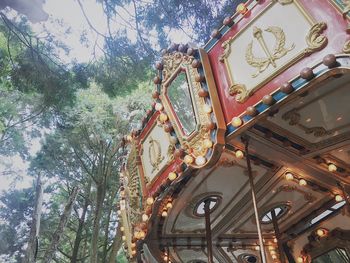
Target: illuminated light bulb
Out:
[123,238]
[200,160]
[164,213]
[274,257]
[122,229]
[271,248]
[208,109]
[236,122]
[208,143]
[169,205]
[133,252]
[321,232]
[137,235]
[338,198]
[129,138]
[172,176]
[300,260]
[133,245]
[144,217]
[332,167]
[273,252]
[239,154]
[242,9]
[150,200]
[289,176]
[165,258]
[188,159]
[275,240]
[257,248]
[158,106]
[302,182]
[163,117]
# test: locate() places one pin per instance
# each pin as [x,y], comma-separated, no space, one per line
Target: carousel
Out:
[245,153]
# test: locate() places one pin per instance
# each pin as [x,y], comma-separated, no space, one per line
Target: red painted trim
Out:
[149,125]
[161,179]
[321,11]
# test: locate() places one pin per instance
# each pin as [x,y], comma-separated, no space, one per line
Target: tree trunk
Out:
[35,225]
[117,242]
[50,252]
[78,236]
[110,206]
[100,195]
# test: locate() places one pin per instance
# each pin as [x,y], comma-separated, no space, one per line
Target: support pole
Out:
[257,218]
[208,230]
[278,235]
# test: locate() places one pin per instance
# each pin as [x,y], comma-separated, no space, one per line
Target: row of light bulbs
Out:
[290,177]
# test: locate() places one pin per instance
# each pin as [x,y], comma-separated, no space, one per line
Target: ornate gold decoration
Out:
[293,116]
[155,154]
[314,39]
[171,62]
[197,143]
[170,153]
[133,186]
[284,2]
[288,188]
[346,8]
[346,47]
[279,49]
[174,64]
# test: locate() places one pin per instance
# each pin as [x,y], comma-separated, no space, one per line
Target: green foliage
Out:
[15,213]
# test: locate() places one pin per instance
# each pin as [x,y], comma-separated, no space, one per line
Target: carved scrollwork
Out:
[346,47]
[227,49]
[288,188]
[284,2]
[196,144]
[314,39]
[172,61]
[293,117]
[240,91]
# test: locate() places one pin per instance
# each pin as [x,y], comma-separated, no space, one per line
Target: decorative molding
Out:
[279,49]
[314,39]
[284,2]
[293,116]
[346,47]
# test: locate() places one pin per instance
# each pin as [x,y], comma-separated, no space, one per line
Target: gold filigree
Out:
[314,39]
[279,49]
[240,91]
[288,188]
[197,143]
[227,49]
[133,186]
[171,62]
[346,47]
[170,153]
[155,154]
[284,2]
[293,116]
[346,8]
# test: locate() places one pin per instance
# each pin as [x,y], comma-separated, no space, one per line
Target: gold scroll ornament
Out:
[155,154]
[314,40]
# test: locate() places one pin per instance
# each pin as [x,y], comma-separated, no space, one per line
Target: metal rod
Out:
[257,218]
[208,230]
[278,235]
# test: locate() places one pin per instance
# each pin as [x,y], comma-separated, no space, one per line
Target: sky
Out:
[67,14]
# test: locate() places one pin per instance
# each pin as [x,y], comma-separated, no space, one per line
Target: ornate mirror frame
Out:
[208,137]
